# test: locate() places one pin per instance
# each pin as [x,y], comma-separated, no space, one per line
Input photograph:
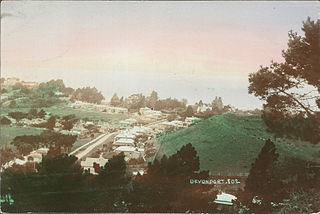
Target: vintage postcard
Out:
[160,107]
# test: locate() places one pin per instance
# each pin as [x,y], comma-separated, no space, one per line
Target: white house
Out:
[147,113]
[139,130]
[124,135]
[174,123]
[191,120]
[87,164]
[130,151]
[203,108]
[135,172]
[225,198]
[123,142]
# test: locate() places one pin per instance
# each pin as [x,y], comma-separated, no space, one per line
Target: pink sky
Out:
[41,40]
[163,36]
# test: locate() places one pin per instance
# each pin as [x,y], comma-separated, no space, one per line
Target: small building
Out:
[149,114]
[225,199]
[123,142]
[30,85]
[174,124]
[203,108]
[112,109]
[192,120]
[87,164]
[19,161]
[141,172]
[43,151]
[71,132]
[130,152]
[36,155]
[139,130]
[11,81]
[127,122]
[124,135]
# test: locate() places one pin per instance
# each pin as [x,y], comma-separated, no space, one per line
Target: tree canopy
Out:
[87,94]
[291,88]
[262,182]
[57,186]
[166,187]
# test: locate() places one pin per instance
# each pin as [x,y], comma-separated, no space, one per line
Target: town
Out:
[160,107]
[135,136]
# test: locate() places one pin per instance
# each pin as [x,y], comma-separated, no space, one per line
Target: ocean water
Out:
[193,87]
[232,89]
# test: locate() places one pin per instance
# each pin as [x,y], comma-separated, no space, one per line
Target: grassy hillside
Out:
[63,110]
[8,133]
[229,143]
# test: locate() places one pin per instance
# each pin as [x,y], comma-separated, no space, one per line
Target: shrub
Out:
[5,121]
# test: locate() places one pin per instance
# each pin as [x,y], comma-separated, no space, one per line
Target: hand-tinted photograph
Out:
[160,107]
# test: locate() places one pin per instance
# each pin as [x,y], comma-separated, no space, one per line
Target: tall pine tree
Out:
[262,183]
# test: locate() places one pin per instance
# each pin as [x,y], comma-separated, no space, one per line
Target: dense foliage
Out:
[87,94]
[26,143]
[60,185]
[136,101]
[262,183]
[291,89]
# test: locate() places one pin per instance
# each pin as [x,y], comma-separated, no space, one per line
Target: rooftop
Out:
[225,198]
[126,149]
[125,141]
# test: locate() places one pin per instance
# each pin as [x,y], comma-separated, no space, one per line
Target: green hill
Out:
[229,144]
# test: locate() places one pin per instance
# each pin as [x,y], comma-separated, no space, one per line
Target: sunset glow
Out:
[43,40]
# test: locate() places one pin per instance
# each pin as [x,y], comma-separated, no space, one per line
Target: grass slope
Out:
[229,144]
[8,133]
[63,110]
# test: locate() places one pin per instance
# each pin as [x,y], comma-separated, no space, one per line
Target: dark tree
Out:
[68,121]
[17,115]
[166,185]
[7,155]
[113,185]
[52,86]
[87,94]
[152,99]
[291,89]
[26,143]
[68,125]
[59,185]
[33,113]
[189,112]
[262,181]
[5,121]
[3,91]
[51,123]
[115,101]
[41,113]
[67,91]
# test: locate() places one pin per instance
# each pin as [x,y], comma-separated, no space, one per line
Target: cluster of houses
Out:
[13,80]
[33,157]
[100,107]
[131,142]
[203,107]
[150,114]
[177,124]
[89,163]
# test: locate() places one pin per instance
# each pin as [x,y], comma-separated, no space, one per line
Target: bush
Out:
[17,115]
[5,121]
